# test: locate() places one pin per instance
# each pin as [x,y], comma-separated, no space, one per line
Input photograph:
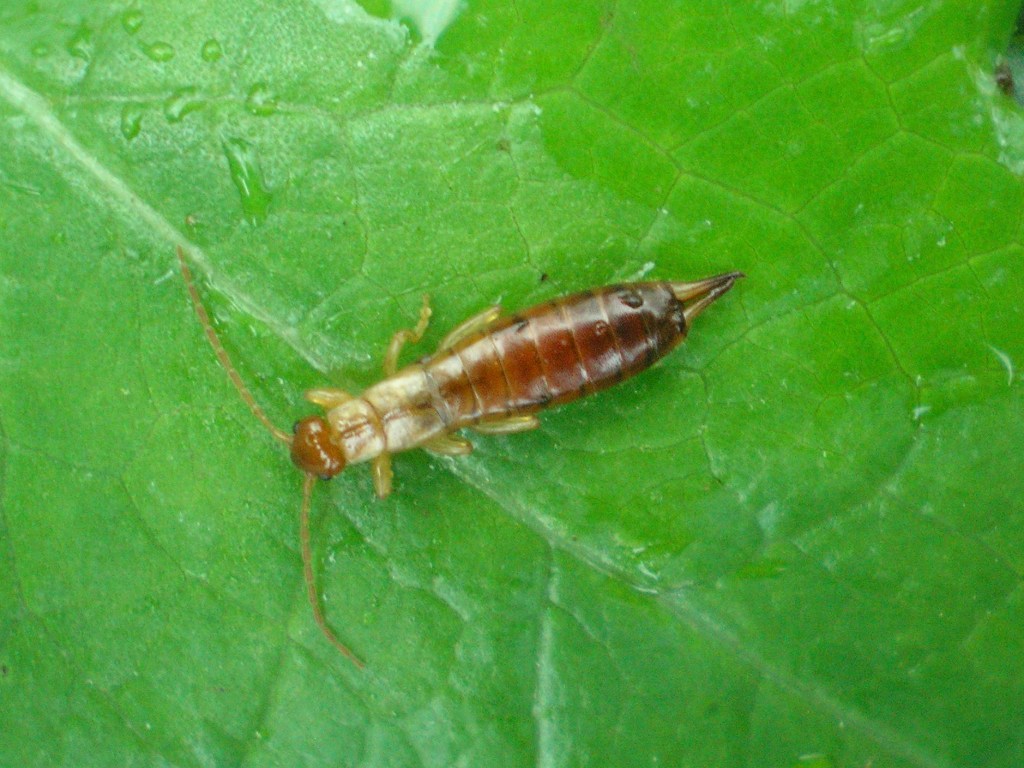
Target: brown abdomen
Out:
[556,352]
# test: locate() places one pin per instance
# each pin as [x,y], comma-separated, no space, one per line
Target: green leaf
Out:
[797,542]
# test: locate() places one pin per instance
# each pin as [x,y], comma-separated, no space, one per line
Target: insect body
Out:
[492,373]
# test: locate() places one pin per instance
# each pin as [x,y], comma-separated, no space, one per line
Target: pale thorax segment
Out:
[393,415]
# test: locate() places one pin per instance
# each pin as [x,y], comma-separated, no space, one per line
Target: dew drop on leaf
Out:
[81,45]
[260,101]
[131,120]
[159,51]
[131,20]
[211,50]
[180,103]
[248,179]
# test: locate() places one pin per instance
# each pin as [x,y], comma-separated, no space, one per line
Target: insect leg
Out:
[477,323]
[380,468]
[449,445]
[328,398]
[507,426]
[401,337]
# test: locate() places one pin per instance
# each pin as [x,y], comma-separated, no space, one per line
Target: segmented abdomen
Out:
[556,352]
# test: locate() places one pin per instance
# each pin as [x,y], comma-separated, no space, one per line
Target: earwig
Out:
[493,373]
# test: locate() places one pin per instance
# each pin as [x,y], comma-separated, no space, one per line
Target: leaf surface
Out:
[797,542]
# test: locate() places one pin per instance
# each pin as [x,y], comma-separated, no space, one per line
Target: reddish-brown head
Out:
[313,451]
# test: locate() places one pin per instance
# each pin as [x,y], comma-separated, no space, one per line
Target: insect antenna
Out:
[222,355]
[307,571]
[284,437]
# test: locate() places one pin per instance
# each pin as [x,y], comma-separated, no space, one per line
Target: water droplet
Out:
[180,103]
[428,20]
[248,179]
[159,51]
[81,44]
[131,120]
[260,101]
[40,49]
[212,50]
[131,20]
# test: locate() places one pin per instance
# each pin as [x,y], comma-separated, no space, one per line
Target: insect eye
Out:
[295,428]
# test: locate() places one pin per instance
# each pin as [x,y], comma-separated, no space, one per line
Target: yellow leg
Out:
[405,335]
[477,323]
[507,426]
[328,398]
[449,445]
[382,475]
